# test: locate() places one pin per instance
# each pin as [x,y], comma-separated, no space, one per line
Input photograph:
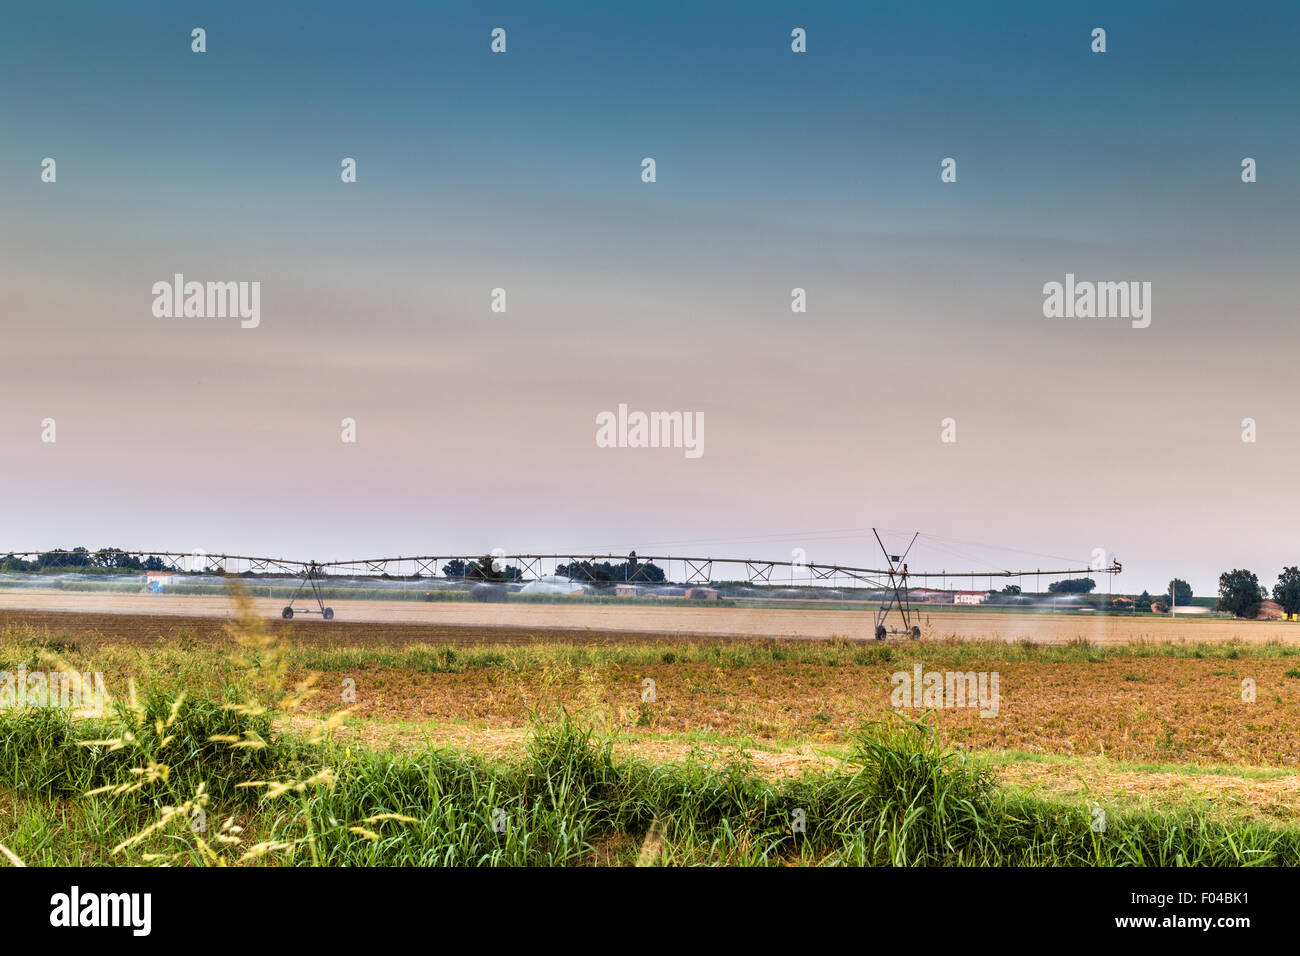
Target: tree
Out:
[1240,593]
[606,573]
[651,572]
[114,558]
[1287,590]
[76,558]
[484,569]
[1181,592]
[456,568]
[1072,586]
[1143,602]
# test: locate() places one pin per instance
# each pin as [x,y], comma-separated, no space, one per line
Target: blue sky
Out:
[775,170]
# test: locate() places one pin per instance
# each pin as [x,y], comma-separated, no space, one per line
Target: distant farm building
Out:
[156,580]
[702,594]
[626,590]
[935,596]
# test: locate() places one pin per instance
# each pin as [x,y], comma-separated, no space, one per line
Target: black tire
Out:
[287,613]
[916,633]
[880,632]
[328,614]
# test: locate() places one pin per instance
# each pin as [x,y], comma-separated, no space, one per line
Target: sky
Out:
[775,170]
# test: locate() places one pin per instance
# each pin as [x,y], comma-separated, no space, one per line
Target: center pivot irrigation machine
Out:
[892,582]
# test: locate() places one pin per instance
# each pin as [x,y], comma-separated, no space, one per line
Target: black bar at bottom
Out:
[490,907]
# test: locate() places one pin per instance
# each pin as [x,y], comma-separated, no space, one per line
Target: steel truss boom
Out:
[756,569]
[755,566]
[217,562]
[892,579]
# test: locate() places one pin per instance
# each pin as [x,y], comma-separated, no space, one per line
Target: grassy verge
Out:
[200,781]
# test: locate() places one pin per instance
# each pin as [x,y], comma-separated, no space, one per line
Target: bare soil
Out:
[541,621]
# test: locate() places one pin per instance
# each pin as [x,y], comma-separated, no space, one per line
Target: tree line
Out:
[605,572]
[103,559]
[1241,593]
[487,568]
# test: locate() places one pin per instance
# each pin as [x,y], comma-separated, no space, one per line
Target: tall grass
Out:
[901,800]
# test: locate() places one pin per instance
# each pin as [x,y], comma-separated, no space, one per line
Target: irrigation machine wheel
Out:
[328,614]
[287,613]
[916,633]
[880,632]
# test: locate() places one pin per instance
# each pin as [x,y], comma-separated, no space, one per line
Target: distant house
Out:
[969,597]
[157,580]
[1270,611]
[702,594]
[626,590]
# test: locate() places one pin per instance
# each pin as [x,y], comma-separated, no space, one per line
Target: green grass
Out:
[568,801]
